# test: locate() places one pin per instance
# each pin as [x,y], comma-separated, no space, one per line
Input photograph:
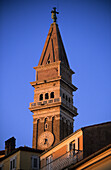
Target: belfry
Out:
[53,109]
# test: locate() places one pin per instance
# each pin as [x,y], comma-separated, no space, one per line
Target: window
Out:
[69,100]
[48,161]
[46,126]
[66,97]
[13,163]
[72,145]
[46,96]
[72,148]
[63,95]
[35,162]
[52,95]
[41,97]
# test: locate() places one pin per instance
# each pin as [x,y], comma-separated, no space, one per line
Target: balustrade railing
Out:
[44,102]
[70,105]
[64,161]
[53,100]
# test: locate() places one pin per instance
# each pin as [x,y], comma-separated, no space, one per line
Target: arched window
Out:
[52,95]
[63,95]
[41,97]
[46,96]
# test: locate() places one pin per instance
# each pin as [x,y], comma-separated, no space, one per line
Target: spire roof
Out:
[53,49]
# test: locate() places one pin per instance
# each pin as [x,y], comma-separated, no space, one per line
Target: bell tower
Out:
[53,109]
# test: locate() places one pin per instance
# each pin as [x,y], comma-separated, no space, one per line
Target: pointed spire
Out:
[54,12]
[53,49]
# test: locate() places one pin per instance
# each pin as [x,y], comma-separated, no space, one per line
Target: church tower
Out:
[53,109]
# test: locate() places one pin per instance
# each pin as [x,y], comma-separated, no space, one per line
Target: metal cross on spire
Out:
[54,12]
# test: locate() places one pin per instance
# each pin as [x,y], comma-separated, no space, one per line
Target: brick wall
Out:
[47,74]
[56,130]
[34,135]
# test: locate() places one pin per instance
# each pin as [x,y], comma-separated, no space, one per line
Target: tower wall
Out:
[53,109]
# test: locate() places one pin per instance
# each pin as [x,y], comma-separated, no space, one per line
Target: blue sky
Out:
[85,27]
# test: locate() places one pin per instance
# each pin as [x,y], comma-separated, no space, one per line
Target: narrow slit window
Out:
[63,95]
[46,126]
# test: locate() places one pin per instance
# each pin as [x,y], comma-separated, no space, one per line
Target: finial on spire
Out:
[54,12]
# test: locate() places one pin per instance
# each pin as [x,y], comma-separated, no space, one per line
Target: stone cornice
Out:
[49,117]
[47,66]
[50,105]
[34,83]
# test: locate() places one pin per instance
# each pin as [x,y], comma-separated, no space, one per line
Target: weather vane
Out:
[54,12]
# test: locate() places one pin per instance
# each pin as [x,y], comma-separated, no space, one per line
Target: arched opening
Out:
[41,97]
[52,95]
[46,96]
[63,95]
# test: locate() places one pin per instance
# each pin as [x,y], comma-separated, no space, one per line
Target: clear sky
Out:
[85,27]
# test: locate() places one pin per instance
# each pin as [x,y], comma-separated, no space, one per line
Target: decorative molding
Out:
[42,119]
[44,67]
[44,115]
[45,90]
[57,117]
[50,118]
[35,121]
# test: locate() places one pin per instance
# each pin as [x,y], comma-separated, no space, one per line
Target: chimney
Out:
[9,145]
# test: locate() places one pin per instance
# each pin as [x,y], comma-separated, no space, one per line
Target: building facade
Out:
[22,158]
[79,148]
